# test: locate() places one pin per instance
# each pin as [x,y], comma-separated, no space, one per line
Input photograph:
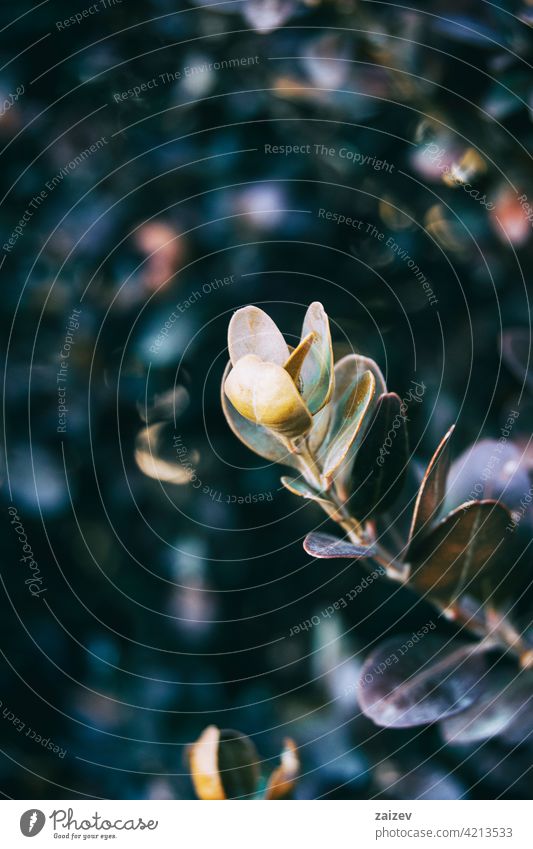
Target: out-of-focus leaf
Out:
[327,547]
[224,765]
[489,469]
[516,353]
[150,460]
[406,778]
[507,217]
[283,780]
[256,437]
[252,331]
[403,685]
[267,15]
[317,370]
[506,703]
[203,759]
[299,487]
[465,553]
[379,470]
[265,394]
[431,493]
[167,406]
[348,419]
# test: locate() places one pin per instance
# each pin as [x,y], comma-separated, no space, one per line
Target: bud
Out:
[278,390]
[266,394]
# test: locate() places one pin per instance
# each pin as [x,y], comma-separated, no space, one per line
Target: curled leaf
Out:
[224,765]
[297,357]
[418,679]
[327,546]
[283,780]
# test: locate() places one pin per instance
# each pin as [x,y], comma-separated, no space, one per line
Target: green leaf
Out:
[465,553]
[351,368]
[379,470]
[317,370]
[299,487]
[347,426]
[252,331]
[348,371]
[256,437]
[320,428]
[430,494]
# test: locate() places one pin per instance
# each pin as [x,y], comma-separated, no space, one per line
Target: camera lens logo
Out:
[32,822]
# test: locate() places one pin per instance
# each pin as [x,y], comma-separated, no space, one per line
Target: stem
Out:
[489,628]
[312,471]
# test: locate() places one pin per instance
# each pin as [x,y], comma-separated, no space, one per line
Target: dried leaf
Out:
[283,780]
[431,493]
[255,436]
[403,685]
[252,331]
[328,547]
[379,471]
[464,553]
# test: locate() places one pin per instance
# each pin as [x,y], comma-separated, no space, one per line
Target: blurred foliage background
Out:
[169,606]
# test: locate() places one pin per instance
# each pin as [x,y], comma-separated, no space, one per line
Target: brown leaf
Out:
[403,685]
[378,472]
[431,493]
[463,553]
